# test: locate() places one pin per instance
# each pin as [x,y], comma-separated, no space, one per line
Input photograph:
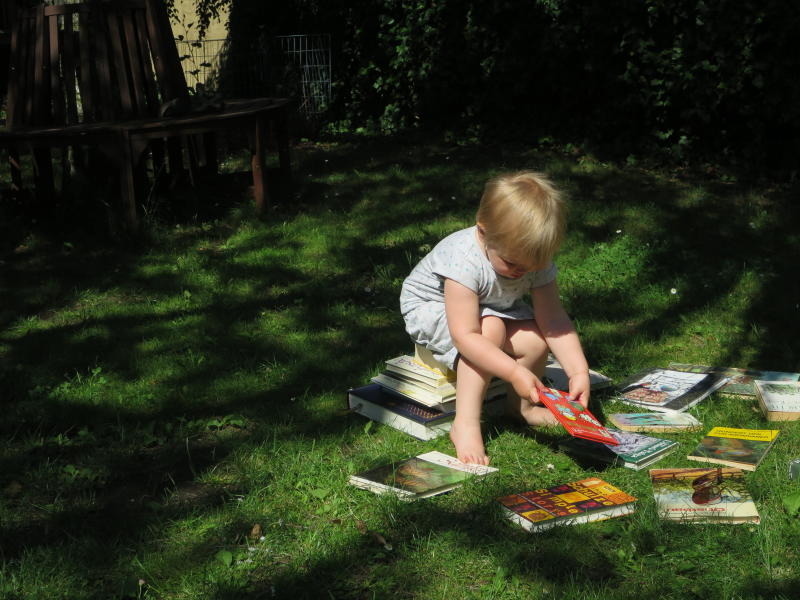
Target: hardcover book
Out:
[577,420]
[418,477]
[397,411]
[655,421]
[633,450]
[582,501]
[742,448]
[665,389]
[707,495]
[405,366]
[779,401]
[741,382]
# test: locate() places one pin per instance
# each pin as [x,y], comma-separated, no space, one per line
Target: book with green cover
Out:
[741,448]
[633,450]
[779,401]
[741,382]
[655,421]
[418,477]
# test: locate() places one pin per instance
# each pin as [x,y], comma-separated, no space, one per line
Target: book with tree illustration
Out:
[633,450]
[665,389]
[706,495]
[779,401]
[418,477]
[742,448]
[577,420]
[590,499]
[741,382]
[655,421]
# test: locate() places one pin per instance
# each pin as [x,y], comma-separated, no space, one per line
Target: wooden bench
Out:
[94,77]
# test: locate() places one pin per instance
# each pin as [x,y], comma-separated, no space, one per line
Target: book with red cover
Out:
[578,421]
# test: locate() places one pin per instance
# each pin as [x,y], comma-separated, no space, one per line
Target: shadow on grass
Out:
[50,334]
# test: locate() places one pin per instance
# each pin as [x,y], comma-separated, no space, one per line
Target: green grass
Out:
[162,399]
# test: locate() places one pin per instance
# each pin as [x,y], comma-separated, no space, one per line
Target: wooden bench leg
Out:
[125,155]
[258,165]
[284,154]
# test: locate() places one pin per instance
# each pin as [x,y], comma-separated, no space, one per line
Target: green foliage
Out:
[686,78]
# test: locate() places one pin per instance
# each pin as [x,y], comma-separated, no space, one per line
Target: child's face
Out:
[507,266]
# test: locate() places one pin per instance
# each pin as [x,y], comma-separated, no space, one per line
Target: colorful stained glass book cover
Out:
[576,420]
[566,501]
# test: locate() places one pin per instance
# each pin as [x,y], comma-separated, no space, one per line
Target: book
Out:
[707,495]
[400,412]
[443,395]
[655,421]
[404,414]
[418,477]
[779,401]
[741,382]
[577,420]
[555,377]
[665,389]
[633,450]
[405,366]
[590,499]
[424,357]
[741,448]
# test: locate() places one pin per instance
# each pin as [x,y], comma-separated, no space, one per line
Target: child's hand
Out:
[579,389]
[526,383]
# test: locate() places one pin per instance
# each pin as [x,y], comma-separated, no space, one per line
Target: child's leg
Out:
[471,386]
[526,344]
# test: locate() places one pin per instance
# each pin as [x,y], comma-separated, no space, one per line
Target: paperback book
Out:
[741,382]
[655,421]
[582,501]
[633,450]
[556,377]
[418,477]
[742,448]
[577,420]
[779,401]
[665,389]
[707,495]
[406,366]
[440,396]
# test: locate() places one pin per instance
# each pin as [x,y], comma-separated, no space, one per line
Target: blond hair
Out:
[523,215]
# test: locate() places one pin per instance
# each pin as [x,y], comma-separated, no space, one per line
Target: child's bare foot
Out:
[468,441]
[537,415]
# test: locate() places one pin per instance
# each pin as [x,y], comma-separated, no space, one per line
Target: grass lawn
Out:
[174,419]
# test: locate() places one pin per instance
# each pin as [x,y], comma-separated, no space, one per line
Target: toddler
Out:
[464,302]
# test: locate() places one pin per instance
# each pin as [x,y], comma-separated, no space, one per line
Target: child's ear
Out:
[481,229]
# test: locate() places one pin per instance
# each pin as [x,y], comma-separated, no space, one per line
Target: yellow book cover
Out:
[763,435]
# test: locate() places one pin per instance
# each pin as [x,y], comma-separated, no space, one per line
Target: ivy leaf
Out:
[225,557]
[792,503]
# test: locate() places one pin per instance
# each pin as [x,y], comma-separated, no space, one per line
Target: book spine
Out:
[383,415]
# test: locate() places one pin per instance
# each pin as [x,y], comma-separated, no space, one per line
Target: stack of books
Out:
[417,395]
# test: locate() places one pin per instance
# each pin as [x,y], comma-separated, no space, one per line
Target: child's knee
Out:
[494,328]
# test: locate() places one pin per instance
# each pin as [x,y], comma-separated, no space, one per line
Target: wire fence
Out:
[298,66]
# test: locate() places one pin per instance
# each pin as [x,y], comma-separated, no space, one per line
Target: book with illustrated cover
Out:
[779,401]
[418,477]
[633,450]
[707,495]
[590,499]
[741,382]
[665,389]
[577,420]
[655,421]
[555,377]
[741,448]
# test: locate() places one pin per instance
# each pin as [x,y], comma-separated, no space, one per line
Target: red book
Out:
[578,421]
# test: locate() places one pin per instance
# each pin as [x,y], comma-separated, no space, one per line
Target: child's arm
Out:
[561,337]
[463,319]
